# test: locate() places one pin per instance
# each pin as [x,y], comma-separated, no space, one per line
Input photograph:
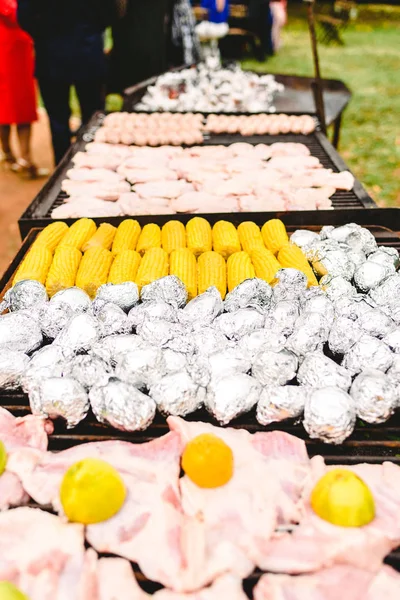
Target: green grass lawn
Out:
[369,63]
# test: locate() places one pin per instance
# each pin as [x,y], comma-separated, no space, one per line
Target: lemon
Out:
[342,498]
[208,461]
[3,459]
[91,491]
[8,591]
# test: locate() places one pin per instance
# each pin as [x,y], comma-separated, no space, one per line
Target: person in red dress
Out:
[17,90]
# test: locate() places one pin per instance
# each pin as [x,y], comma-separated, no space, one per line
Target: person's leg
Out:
[24,138]
[5,135]
[91,96]
[55,96]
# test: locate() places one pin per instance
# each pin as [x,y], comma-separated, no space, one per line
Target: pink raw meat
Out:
[193,201]
[102,148]
[289,149]
[226,587]
[102,190]
[237,186]
[145,161]
[146,175]
[96,161]
[163,189]
[242,149]
[90,175]
[262,151]
[86,207]
[291,163]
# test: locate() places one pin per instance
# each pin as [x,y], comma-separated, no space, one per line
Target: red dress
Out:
[17,84]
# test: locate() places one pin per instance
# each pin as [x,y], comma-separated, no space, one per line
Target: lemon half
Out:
[208,461]
[8,591]
[3,459]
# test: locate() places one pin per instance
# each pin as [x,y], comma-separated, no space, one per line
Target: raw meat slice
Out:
[193,201]
[89,175]
[146,175]
[242,149]
[226,587]
[237,186]
[289,149]
[102,190]
[102,148]
[86,207]
[290,163]
[386,584]
[262,151]
[11,491]
[96,161]
[163,189]
[146,161]
[116,581]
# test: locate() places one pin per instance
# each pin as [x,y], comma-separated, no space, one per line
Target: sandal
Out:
[29,170]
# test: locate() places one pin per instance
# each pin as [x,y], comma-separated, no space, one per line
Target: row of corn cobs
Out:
[200,255]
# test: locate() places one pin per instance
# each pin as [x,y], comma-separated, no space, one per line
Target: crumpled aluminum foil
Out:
[368,353]
[141,367]
[47,362]
[336,287]
[228,397]
[208,340]
[282,317]
[158,332]
[304,237]
[228,362]
[203,309]
[386,256]
[369,276]
[335,263]
[76,299]
[394,375]
[357,257]
[252,343]
[339,234]
[199,370]
[310,331]
[113,320]
[392,339]
[235,325]
[251,293]
[362,239]
[291,284]
[375,396]
[329,415]
[280,402]
[343,335]
[168,289]
[60,397]
[386,295]
[152,310]
[174,361]
[53,318]
[376,323]
[182,342]
[272,368]
[177,394]
[79,335]
[319,304]
[19,332]
[112,348]
[318,371]
[23,295]
[125,295]
[88,370]
[12,366]
[121,405]
[352,307]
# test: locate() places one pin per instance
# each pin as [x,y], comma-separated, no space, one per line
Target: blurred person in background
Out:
[69,46]
[17,91]
[218,10]
[184,48]
[279,18]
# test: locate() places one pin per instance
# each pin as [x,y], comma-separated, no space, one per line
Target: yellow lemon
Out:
[3,459]
[208,461]
[91,491]
[342,498]
[8,591]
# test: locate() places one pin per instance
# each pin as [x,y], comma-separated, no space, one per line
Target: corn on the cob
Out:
[199,237]
[239,268]
[125,267]
[63,269]
[211,268]
[291,256]
[183,265]
[79,233]
[225,239]
[126,237]
[265,264]
[35,265]
[51,235]
[250,236]
[103,238]
[93,269]
[274,235]
[173,236]
[150,237]
[154,265]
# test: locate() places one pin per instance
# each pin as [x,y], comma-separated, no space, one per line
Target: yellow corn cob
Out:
[79,233]
[150,237]
[93,269]
[51,235]
[154,265]
[126,237]
[199,237]
[250,236]
[211,269]
[124,267]
[35,265]
[291,256]
[103,238]
[225,238]
[274,235]
[265,264]
[183,265]
[63,269]
[173,236]
[239,268]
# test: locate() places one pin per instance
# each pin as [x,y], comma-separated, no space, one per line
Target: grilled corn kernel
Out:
[274,235]
[211,268]
[239,268]
[103,238]
[51,235]
[35,265]
[79,233]
[63,269]
[154,265]
[291,256]
[173,236]
[250,236]
[225,238]
[93,269]
[183,265]
[265,264]
[125,267]
[199,237]
[126,237]
[150,237]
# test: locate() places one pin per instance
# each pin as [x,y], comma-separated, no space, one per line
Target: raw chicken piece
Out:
[289,149]
[89,175]
[237,186]
[226,587]
[102,190]
[163,189]
[86,207]
[223,204]
[29,431]
[262,151]
[242,149]
[96,161]
[146,161]
[243,164]
[193,201]
[102,148]
[292,163]
[132,204]
[146,175]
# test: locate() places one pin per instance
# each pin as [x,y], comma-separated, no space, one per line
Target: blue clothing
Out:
[213,14]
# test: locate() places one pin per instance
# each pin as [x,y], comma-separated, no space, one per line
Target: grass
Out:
[369,64]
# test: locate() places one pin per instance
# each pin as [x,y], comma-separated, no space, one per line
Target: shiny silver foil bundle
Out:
[177,394]
[329,415]
[303,237]
[79,335]
[203,309]
[174,361]
[88,370]
[19,332]
[235,325]
[392,339]
[112,348]
[76,299]
[231,396]
[362,239]
[291,284]
[53,318]
[326,231]
[376,323]
[121,405]
[125,295]
[158,333]
[280,402]
[168,289]
[368,353]
[113,320]
[340,234]
[228,362]
[46,362]
[352,307]
[150,311]
[311,330]
[388,257]
[318,249]
[357,257]
[282,317]
[199,370]
[320,304]
[12,366]
[23,295]
[251,293]
[335,287]
[141,367]
[387,294]
[208,340]
[394,375]
[60,397]
[369,276]
[252,343]
[343,335]
[310,293]
[274,367]
[375,396]
[182,342]
[318,371]
[333,262]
